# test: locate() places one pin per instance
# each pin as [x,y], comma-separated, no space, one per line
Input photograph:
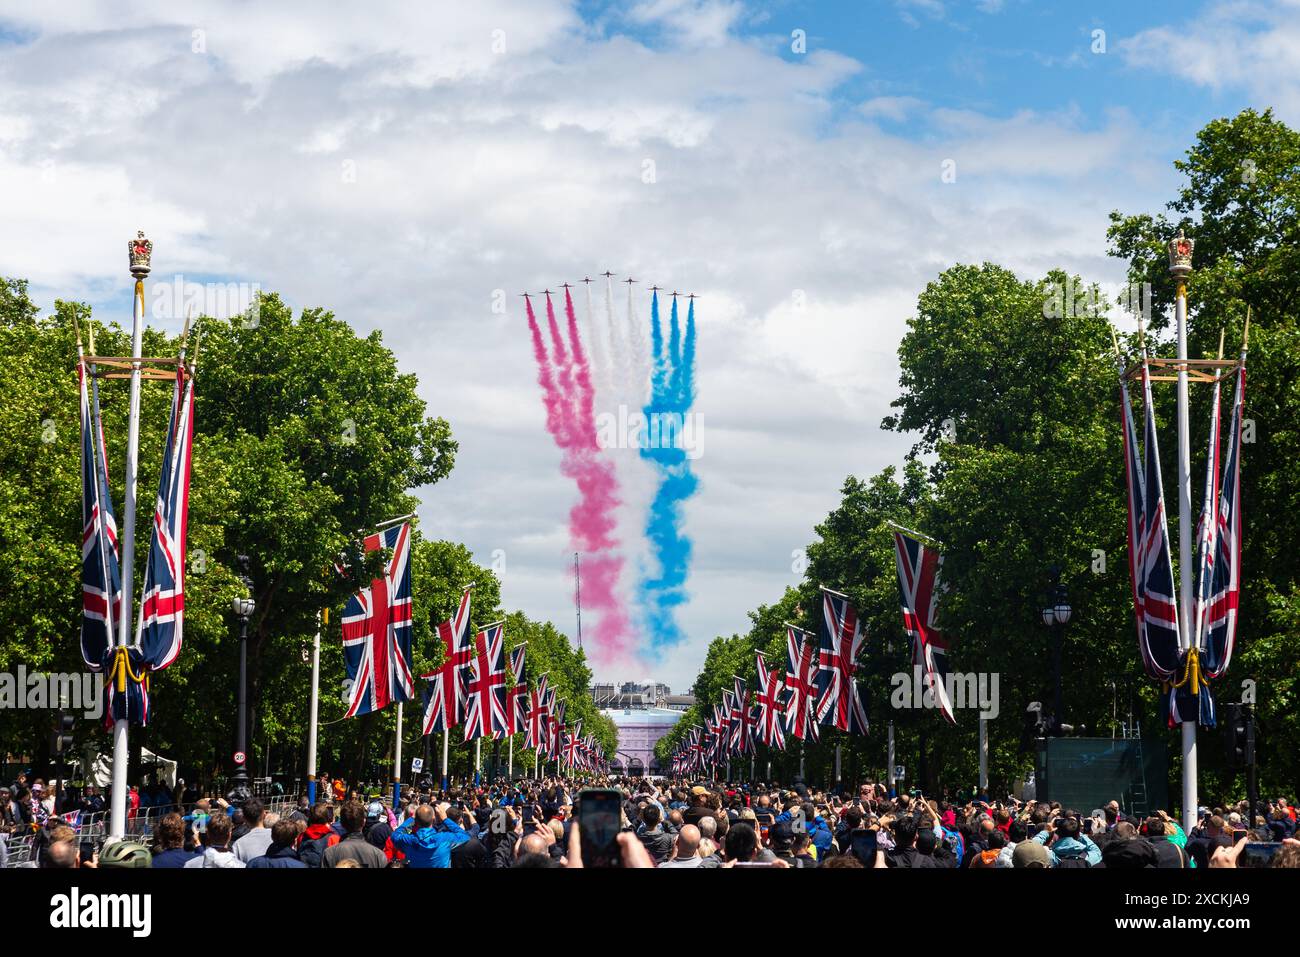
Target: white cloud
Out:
[1239,44]
[476,171]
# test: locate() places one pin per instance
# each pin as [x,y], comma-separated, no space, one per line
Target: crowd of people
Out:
[664,823]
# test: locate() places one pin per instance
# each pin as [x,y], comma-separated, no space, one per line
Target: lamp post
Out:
[239,791]
[1056,615]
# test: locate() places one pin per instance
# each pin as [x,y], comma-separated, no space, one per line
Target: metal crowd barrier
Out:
[140,826]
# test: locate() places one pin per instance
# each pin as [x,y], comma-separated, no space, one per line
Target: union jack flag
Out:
[771,705]
[554,721]
[101,580]
[486,714]
[445,708]
[517,697]
[839,703]
[535,733]
[801,683]
[377,629]
[1219,567]
[1150,557]
[433,697]
[162,612]
[571,742]
[918,594]
[742,719]
[1220,632]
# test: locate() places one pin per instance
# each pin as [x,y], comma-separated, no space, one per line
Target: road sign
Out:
[417,765]
[240,757]
[899,771]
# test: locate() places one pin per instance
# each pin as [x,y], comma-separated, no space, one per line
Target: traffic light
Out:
[63,735]
[1239,736]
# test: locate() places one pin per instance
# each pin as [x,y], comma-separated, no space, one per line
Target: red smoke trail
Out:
[568,396]
[552,399]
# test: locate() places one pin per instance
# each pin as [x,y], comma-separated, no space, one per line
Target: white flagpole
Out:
[397,761]
[889,771]
[984,756]
[313,723]
[510,760]
[446,738]
[121,727]
[478,758]
[1180,268]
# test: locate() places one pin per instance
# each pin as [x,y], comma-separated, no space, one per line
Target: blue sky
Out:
[800,195]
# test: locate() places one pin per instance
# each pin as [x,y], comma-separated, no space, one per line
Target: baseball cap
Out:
[1030,854]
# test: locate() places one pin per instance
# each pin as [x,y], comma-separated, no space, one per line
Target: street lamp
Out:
[1056,614]
[243,608]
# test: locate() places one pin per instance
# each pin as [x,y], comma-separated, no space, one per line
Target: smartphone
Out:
[1258,853]
[754,864]
[528,814]
[599,815]
[863,847]
[87,851]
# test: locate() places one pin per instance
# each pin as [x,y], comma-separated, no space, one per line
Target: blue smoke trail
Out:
[672,392]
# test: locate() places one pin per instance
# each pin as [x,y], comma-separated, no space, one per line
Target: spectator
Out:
[354,846]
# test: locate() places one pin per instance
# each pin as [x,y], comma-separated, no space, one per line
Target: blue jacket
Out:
[277,855]
[429,846]
[821,837]
[174,857]
[1069,847]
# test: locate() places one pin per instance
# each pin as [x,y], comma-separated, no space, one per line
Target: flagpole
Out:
[984,756]
[313,722]
[121,727]
[446,738]
[1180,267]
[478,759]
[889,771]
[397,761]
[510,760]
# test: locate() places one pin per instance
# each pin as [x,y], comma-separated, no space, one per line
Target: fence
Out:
[140,826]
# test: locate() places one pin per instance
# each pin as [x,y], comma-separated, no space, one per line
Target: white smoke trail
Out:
[638,376]
[597,351]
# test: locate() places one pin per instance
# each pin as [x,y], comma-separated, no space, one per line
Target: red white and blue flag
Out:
[517,697]
[1218,568]
[1220,621]
[743,724]
[377,629]
[535,733]
[801,684]
[445,697]
[771,705]
[485,713]
[839,703]
[1150,557]
[101,579]
[919,587]
[162,612]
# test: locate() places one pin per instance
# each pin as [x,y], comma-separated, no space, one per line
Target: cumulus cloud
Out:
[1236,45]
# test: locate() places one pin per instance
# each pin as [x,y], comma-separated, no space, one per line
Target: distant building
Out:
[639,730]
[678,702]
